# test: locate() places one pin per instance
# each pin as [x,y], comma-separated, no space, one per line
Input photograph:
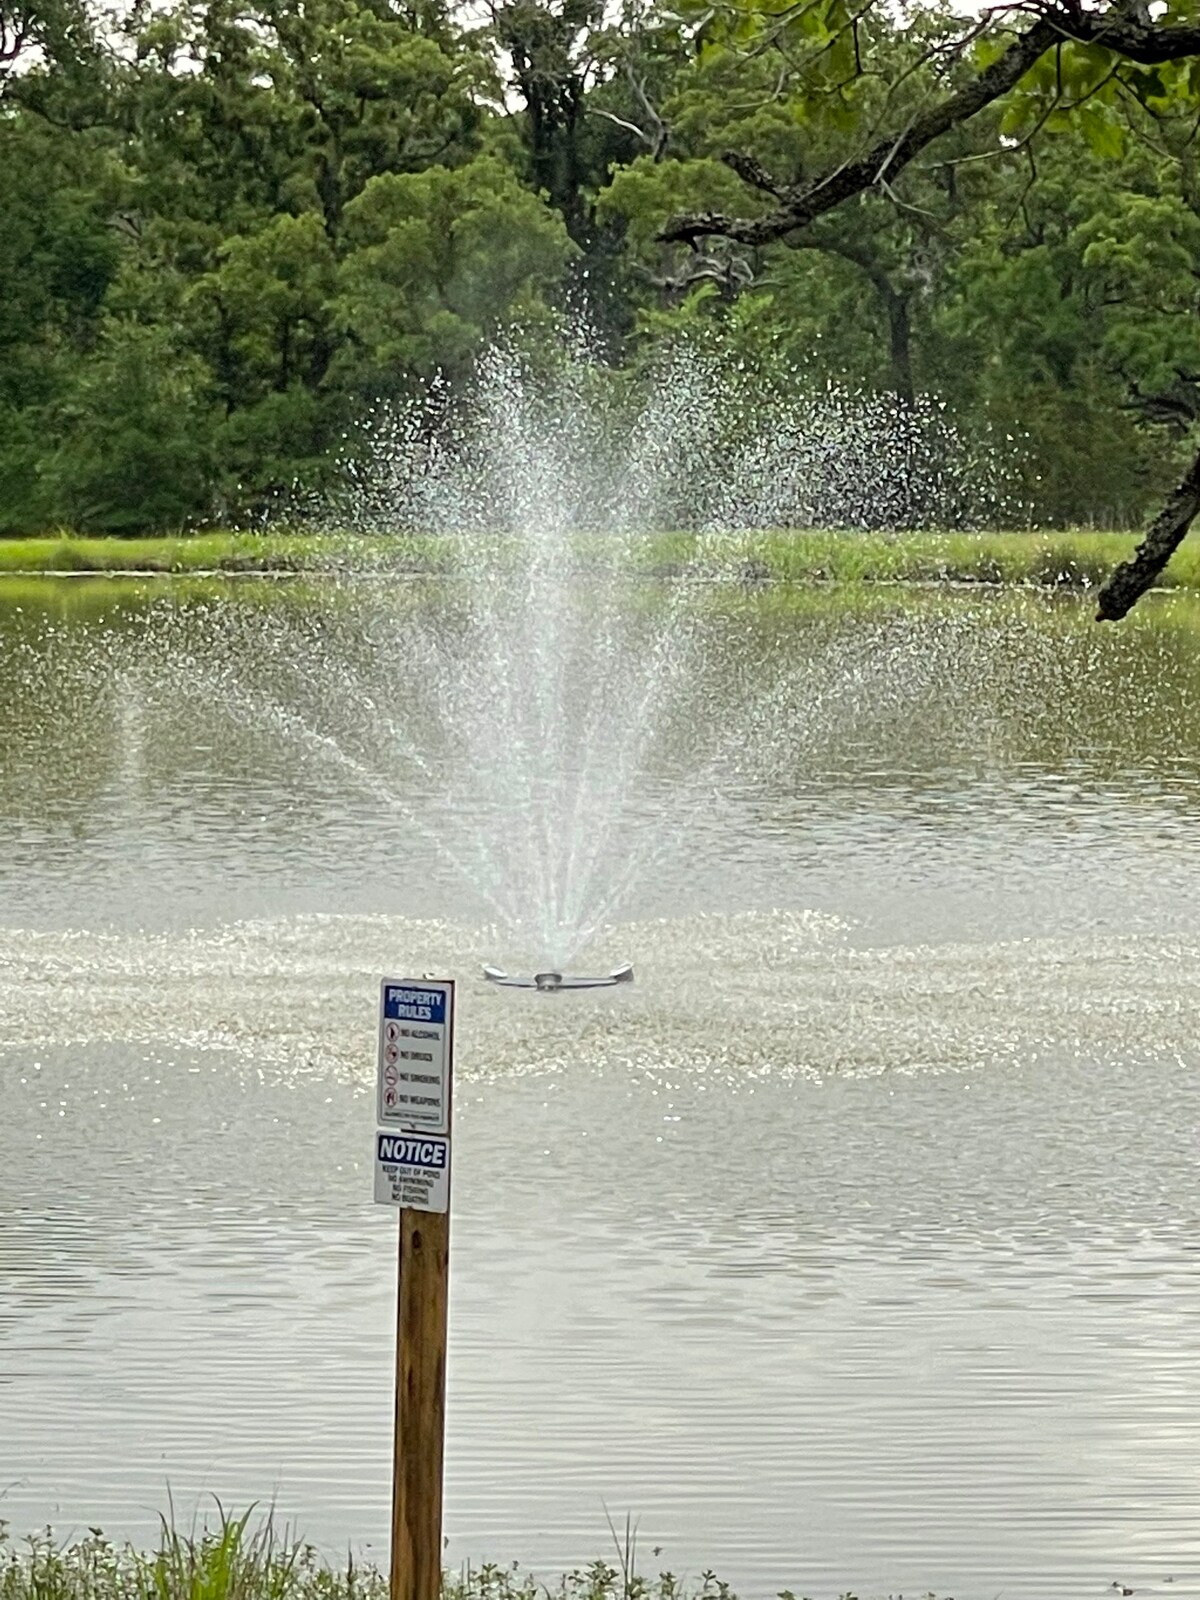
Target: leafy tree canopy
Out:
[231,226]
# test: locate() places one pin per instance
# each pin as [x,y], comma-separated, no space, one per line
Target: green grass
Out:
[1074,559]
[216,552]
[1070,559]
[235,1558]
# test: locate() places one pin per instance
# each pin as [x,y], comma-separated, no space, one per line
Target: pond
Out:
[854,1246]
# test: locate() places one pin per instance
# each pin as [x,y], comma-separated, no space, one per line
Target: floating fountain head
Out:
[555,982]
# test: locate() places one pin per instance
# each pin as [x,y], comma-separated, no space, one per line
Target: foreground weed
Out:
[229,1561]
[236,1559]
[599,1580]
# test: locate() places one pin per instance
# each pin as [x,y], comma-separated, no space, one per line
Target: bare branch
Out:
[928,219]
[658,143]
[620,122]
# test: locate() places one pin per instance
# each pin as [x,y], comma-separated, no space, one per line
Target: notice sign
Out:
[416,1036]
[413,1170]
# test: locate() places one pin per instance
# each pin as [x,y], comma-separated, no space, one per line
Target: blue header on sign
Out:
[413,1150]
[413,1004]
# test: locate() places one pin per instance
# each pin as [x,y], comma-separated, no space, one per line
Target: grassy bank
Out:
[183,553]
[234,1558]
[1072,559]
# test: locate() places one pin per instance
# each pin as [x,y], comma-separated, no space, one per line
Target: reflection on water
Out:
[854,1246]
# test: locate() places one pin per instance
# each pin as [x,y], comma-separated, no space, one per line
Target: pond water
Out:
[855,1246]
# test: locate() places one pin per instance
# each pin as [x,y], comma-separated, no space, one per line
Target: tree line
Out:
[229,228]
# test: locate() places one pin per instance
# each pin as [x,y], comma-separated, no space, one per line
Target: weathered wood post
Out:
[412,1171]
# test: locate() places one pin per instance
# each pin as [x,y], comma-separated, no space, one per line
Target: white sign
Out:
[416,1041]
[413,1170]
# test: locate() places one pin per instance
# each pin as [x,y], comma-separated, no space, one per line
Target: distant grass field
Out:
[181,553]
[1078,559]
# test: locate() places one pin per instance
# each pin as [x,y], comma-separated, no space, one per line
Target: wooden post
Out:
[422,1305]
[414,1100]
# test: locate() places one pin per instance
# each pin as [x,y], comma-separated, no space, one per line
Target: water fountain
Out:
[579,684]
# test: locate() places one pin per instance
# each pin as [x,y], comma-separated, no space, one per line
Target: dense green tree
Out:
[58,258]
[136,436]
[263,317]
[241,173]
[231,226]
[549,48]
[377,90]
[434,263]
[51,59]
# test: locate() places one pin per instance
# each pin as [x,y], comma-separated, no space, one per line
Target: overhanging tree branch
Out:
[802,207]
[1145,42]
[1129,582]
[1148,43]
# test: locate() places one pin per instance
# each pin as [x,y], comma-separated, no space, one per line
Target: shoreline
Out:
[253,1556]
[1073,559]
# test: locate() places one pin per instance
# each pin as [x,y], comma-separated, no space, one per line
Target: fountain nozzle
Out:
[552,982]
